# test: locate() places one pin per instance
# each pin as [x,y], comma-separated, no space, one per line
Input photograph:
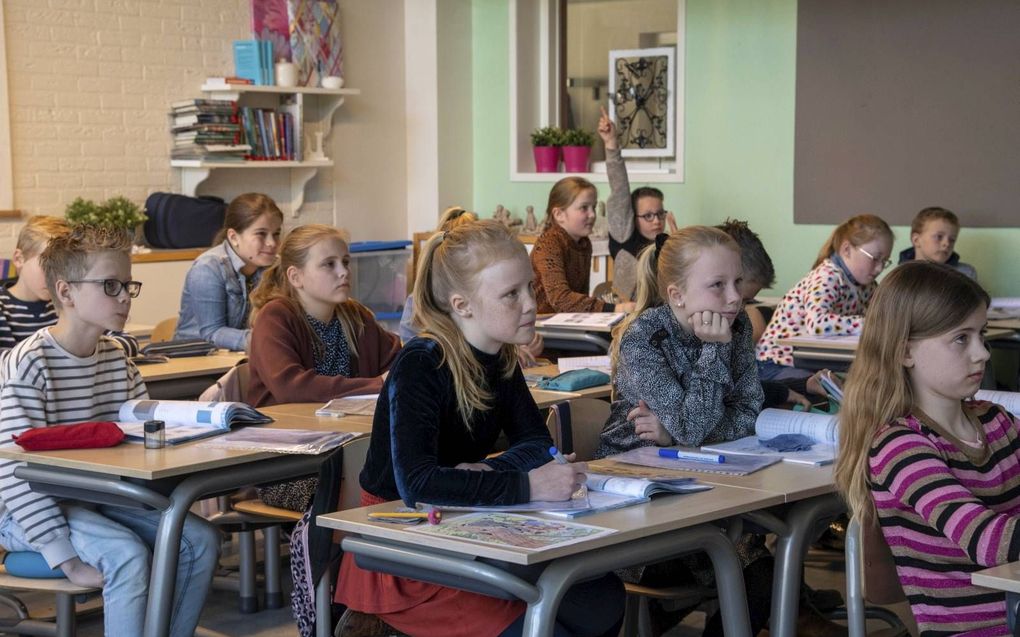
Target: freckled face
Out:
[502,306]
[578,218]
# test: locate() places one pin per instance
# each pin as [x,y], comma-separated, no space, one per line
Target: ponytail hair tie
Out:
[660,240]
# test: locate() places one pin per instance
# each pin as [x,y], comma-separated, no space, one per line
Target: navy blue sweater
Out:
[418,435]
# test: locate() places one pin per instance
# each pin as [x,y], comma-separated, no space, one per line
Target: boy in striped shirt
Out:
[68,373]
[25,305]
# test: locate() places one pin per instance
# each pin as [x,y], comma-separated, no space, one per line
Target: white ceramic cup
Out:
[332,82]
[286,74]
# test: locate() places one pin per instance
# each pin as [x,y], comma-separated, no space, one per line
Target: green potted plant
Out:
[115,212]
[545,144]
[577,144]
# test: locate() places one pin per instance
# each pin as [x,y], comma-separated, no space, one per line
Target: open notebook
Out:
[822,428]
[186,420]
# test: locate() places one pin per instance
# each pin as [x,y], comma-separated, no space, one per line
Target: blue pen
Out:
[696,456]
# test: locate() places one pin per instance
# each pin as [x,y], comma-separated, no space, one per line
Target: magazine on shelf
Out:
[822,428]
[583,320]
[186,420]
[303,441]
[736,466]
[359,405]
[1008,399]
[609,492]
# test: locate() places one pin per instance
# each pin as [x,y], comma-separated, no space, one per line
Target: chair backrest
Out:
[231,386]
[870,574]
[575,426]
[164,330]
[758,322]
[355,453]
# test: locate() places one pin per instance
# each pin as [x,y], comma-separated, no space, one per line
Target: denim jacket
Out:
[214,302]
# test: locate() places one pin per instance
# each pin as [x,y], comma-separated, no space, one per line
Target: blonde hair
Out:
[37,231]
[69,255]
[918,300]
[274,284]
[858,231]
[660,267]
[450,264]
[563,193]
[453,217]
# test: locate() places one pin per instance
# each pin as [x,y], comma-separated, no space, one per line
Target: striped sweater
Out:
[20,319]
[46,385]
[947,510]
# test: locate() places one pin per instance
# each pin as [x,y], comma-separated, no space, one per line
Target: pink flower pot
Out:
[575,158]
[547,158]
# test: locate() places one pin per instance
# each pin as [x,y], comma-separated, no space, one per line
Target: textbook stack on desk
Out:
[823,429]
[186,420]
[1008,399]
[1004,308]
[583,320]
[303,441]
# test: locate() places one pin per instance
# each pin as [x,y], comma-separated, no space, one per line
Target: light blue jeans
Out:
[118,542]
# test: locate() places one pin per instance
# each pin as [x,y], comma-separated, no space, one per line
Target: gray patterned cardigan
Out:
[701,392]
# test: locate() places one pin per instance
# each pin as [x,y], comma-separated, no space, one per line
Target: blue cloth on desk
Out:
[788,442]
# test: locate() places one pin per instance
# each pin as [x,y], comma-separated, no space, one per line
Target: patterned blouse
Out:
[334,357]
[825,303]
[562,272]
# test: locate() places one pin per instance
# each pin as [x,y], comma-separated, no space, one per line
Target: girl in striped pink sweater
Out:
[939,473]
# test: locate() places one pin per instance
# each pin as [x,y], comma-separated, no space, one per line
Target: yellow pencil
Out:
[433,516]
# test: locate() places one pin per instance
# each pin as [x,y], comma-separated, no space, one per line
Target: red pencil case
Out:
[84,435]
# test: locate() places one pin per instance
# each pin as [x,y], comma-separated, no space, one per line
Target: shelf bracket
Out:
[329,110]
[299,177]
[192,178]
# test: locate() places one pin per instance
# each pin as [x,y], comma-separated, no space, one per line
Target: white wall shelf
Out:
[316,117]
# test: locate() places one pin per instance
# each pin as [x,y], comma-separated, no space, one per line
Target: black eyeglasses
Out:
[649,216]
[112,287]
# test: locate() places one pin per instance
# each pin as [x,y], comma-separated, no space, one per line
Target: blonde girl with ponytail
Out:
[832,299]
[310,340]
[451,392]
[936,471]
[684,374]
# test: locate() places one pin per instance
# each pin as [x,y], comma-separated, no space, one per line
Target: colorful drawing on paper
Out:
[315,42]
[520,531]
[270,21]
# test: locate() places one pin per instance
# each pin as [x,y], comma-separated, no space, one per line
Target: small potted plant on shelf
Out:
[546,144]
[115,212]
[577,144]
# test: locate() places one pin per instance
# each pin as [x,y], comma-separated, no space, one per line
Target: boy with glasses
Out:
[70,373]
[25,305]
[635,218]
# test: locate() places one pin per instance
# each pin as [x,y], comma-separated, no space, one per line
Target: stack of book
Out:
[206,130]
[271,134]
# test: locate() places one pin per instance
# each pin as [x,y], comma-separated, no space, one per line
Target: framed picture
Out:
[642,100]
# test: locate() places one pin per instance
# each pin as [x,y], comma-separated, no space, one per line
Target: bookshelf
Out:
[316,107]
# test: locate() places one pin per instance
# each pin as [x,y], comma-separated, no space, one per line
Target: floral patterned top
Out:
[334,358]
[824,303]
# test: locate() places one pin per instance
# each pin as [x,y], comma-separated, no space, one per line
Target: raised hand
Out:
[711,327]
[607,129]
[647,425]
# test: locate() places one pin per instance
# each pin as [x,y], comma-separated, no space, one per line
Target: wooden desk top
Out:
[664,513]
[132,460]
[190,366]
[1002,578]
[599,391]
[1008,324]
[790,481]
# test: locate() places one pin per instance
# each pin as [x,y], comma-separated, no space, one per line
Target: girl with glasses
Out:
[832,298]
[635,218]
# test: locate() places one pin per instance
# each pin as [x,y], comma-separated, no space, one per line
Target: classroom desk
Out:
[187,377]
[1004,578]
[599,391]
[809,500]
[661,529]
[168,480]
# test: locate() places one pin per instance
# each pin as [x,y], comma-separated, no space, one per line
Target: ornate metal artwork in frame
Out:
[642,100]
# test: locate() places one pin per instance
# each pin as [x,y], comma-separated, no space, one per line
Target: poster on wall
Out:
[305,32]
[642,102]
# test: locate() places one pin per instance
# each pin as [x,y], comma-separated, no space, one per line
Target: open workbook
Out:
[186,420]
[823,429]
[606,492]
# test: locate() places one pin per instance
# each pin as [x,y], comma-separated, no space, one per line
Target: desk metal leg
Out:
[793,535]
[171,523]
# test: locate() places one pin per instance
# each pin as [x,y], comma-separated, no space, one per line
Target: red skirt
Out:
[419,608]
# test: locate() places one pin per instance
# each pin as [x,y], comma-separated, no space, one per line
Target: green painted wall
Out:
[740,83]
